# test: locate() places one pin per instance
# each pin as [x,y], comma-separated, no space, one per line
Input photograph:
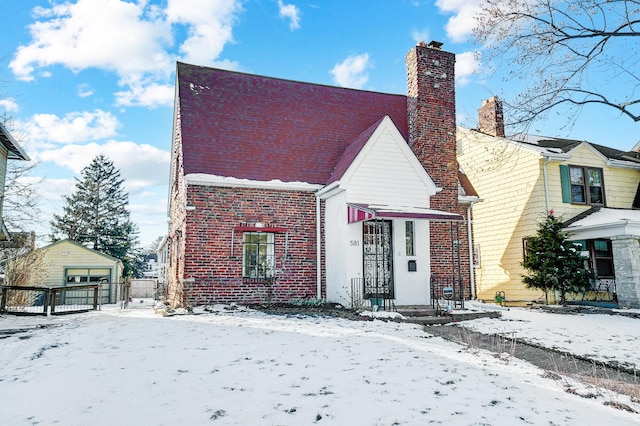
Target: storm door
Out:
[378,259]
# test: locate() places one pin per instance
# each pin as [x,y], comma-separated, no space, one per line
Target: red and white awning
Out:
[361,212]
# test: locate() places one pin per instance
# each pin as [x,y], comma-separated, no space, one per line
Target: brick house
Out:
[283,190]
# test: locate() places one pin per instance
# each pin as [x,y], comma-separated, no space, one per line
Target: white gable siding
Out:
[337,244]
[386,172]
[386,176]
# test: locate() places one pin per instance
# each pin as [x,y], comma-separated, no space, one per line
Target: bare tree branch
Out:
[21,206]
[565,54]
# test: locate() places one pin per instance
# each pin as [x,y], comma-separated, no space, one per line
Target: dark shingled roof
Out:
[611,153]
[261,128]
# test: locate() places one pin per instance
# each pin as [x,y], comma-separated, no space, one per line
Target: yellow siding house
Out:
[594,190]
[67,263]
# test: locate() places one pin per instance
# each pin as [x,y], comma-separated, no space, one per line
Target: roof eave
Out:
[621,164]
[13,147]
[466,199]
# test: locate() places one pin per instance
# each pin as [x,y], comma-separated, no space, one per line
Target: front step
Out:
[416,311]
[427,315]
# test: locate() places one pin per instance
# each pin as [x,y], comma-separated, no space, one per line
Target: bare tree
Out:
[21,208]
[567,54]
[154,246]
[21,204]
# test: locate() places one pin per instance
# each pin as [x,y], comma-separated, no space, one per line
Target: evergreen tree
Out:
[554,262]
[96,214]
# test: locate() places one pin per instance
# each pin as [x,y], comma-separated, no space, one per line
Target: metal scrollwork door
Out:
[378,259]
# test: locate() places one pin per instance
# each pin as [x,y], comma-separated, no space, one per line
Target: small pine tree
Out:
[97,213]
[554,263]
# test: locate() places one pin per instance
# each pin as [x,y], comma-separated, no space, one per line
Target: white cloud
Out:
[126,156]
[53,189]
[418,36]
[149,95]
[459,26]
[290,12]
[210,25]
[352,72]
[91,33]
[467,63]
[132,39]
[9,105]
[85,90]
[72,128]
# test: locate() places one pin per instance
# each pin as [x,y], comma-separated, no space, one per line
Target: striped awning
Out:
[361,212]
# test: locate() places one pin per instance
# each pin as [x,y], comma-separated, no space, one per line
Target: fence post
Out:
[3,300]
[95,297]
[51,297]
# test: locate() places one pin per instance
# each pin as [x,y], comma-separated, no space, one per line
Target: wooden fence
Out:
[21,300]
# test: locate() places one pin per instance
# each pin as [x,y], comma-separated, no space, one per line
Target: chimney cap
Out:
[491,99]
[435,44]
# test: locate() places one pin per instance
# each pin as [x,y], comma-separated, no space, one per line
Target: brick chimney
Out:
[431,110]
[490,119]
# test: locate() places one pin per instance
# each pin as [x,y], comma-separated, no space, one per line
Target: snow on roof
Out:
[605,223]
[276,184]
[606,216]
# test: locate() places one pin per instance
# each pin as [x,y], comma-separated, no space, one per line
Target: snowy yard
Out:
[241,367]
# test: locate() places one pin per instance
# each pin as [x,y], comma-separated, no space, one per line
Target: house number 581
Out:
[354,243]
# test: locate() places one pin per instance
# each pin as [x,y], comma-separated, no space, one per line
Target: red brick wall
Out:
[432,137]
[213,251]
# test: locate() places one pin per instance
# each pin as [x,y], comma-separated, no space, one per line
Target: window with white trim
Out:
[409,237]
[86,275]
[258,255]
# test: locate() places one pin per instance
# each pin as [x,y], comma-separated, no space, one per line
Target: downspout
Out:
[321,192]
[318,251]
[546,184]
[546,200]
[472,281]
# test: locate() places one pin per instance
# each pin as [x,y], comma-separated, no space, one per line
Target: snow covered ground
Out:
[607,338]
[242,367]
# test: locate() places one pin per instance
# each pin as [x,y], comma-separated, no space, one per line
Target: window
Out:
[603,256]
[258,255]
[599,254]
[87,275]
[409,232]
[477,262]
[587,186]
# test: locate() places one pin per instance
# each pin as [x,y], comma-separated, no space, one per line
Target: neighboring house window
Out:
[603,255]
[409,236]
[258,255]
[87,275]
[600,256]
[582,185]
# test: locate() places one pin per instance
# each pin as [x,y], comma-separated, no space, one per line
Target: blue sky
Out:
[80,78]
